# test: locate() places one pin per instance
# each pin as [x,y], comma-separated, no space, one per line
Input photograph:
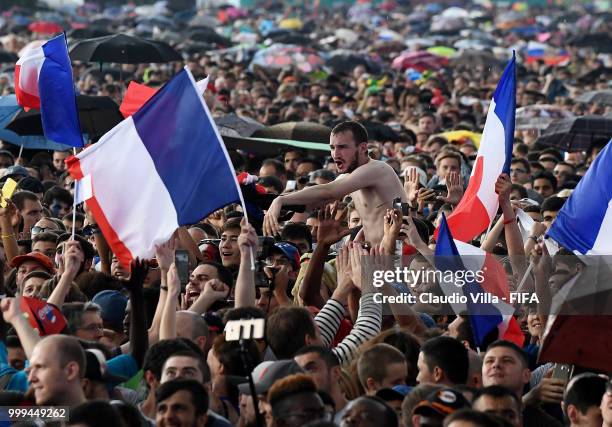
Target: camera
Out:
[264,249]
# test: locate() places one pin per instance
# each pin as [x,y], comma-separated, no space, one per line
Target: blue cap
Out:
[113,305]
[290,252]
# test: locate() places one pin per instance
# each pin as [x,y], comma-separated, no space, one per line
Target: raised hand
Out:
[216,290]
[454,187]
[10,309]
[411,185]
[139,269]
[174,282]
[247,240]
[412,236]
[392,224]
[164,254]
[271,227]
[503,187]
[331,229]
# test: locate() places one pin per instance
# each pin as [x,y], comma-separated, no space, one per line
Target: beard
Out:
[354,164]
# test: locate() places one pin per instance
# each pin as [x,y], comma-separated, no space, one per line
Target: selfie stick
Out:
[247,363]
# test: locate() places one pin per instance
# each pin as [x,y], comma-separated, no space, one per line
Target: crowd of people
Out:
[144,344]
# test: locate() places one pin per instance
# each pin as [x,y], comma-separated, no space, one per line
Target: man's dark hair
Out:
[532,208]
[94,413]
[317,164]
[58,193]
[231,224]
[159,352]
[324,353]
[286,330]
[481,419]
[296,230]
[522,190]
[547,175]
[240,313]
[552,152]
[20,198]
[584,391]
[46,236]
[498,392]
[553,203]
[359,132]
[208,229]
[224,274]
[86,247]
[521,148]
[277,164]
[79,217]
[271,181]
[464,331]
[13,341]
[450,355]
[568,164]
[427,114]
[509,344]
[390,416]
[31,184]
[197,356]
[199,396]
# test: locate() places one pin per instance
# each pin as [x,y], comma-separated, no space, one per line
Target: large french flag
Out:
[163,167]
[485,317]
[43,80]
[479,204]
[584,223]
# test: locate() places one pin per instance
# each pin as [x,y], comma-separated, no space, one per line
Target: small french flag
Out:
[43,80]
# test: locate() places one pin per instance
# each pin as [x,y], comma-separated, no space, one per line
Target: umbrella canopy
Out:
[603,97]
[345,61]
[7,57]
[45,27]
[88,33]
[97,114]
[271,147]
[297,131]
[208,35]
[380,132]
[291,24]
[577,133]
[444,51]
[600,42]
[233,125]
[123,49]
[539,116]
[419,60]
[279,56]
[471,58]
[578,340]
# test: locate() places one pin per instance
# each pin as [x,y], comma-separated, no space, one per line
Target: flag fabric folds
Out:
[584,223]
[479,204]
[486,315]
[43,80]
[163,167]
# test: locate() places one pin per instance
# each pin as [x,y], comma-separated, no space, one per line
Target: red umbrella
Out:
[45,27]
[419,60]
[579,340]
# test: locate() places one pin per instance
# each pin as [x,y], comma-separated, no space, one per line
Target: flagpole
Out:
[74,204]
[20,151]
[522,282]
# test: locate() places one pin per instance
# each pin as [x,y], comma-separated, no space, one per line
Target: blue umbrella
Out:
[8,109]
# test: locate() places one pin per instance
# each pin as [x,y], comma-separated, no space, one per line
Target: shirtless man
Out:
[371,183]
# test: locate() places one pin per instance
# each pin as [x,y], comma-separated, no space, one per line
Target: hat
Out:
[214,322]
[395,393]
[267,373]
[113,305]
[31,184]
[42,259]
[441,402]
[289,251]
[96,369]
[15,170]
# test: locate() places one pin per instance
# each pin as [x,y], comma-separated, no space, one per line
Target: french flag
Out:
[43,80]
[163,167]
[485,317]
[584,223]
[479,204]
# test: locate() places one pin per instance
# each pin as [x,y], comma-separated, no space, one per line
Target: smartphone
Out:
[246,329]
[402,207]
[181,260]
[562,371]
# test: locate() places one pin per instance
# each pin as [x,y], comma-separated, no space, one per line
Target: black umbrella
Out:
[600,42]
[88,33]
[345,61]
[603,97]
[599,74]
[576,133]
[471,58]
[7,57]
[123,49]
[97,114]
[380,132]
[233,125]
[208,35]
[297,131]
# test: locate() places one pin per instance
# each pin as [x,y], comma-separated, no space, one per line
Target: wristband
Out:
[509,221]
[163,288]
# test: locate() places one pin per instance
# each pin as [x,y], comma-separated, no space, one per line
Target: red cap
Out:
[42,259]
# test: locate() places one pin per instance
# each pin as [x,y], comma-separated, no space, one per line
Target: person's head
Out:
[112,304]
[566,265]
[563,171]
[28,207]
[58,160]
[192,327]
[349,146]
[7,159]
[288,329]
[322,176]
[582,399]
[381,366]
[461,329]
[550,208]
[299,234]
[34,261]
[57,366]
[82,245]
[45,243]
[321,364]
[368,411]
[473,418]
[295,401]
[438,405]
[16,356]
[58,200]
[518,192]
[32,283]
[291,159]
[500,401]
[156,357]
[94,413]
[505,364]
[271,184]
[275,168]
[545,184]
[520,171]
[182,403]
[606,406]
[427,123]
[447,161]
[185,364]
[204,272]
[412,399]
[230,252]
[225,357]
[84,320]
[443,360]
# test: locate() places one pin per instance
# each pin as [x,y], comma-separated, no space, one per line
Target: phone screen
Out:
[181,260]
